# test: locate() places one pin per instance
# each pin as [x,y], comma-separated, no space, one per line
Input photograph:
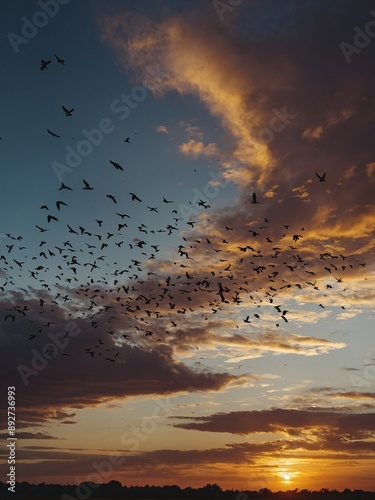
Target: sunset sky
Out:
[205,313]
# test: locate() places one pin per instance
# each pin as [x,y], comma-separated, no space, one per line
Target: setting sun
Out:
[286,477]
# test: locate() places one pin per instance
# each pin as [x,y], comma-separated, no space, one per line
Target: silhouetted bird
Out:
[87,186]
[59,203]
[64,187]
[52,133]
[116,165]
[59,60]
[135,197]
[44,64]
[68,112]
[254,199]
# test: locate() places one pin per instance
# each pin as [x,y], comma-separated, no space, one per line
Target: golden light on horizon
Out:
[287,476]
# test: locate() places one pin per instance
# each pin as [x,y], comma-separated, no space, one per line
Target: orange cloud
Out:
[202,62]
[196,149]
[313,133]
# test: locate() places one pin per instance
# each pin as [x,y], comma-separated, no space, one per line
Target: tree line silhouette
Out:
[114,489]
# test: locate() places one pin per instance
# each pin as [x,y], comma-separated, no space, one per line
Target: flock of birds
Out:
[150,297]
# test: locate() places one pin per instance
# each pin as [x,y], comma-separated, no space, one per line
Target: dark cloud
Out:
[276,420]
[53,371]
[30,435]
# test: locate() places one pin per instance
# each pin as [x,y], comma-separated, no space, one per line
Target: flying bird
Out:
[59,203]
[202,203]
[71,230]
[44,64]
[254,199]
[68,112]
[134,197]
[59,60]
[52,133]
[87,186]
[116,165]
[127,140]
[111,197]
[321,178]
[64,187]
[113,359]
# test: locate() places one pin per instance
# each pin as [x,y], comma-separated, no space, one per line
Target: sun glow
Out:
[286,477]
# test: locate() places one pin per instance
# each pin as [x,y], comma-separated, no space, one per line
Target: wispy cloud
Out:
[162,129]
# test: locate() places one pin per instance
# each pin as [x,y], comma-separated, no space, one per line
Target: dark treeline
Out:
[114,489]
